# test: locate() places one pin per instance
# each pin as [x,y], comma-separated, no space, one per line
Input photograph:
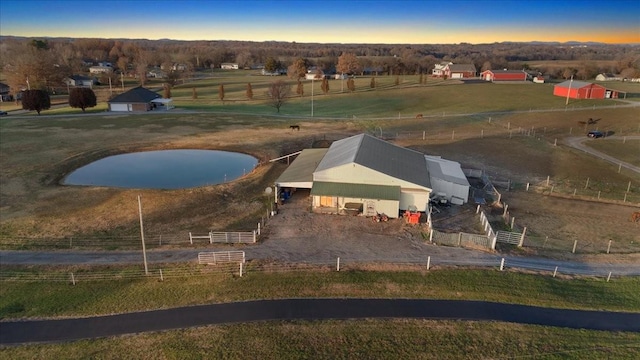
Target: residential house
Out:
[81,81]
[438,70]
[229,66]
[459,71]
[138,99]
[5,93]
[100,69]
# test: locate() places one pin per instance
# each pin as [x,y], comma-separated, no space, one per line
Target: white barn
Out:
[361,173]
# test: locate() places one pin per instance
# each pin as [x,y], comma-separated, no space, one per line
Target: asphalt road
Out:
[18,332]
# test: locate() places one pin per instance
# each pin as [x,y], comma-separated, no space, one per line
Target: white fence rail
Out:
[240,237]
[514,238]
[460,239]
[216,257]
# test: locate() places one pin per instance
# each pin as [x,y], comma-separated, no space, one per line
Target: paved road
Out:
[309,309]
[578,143]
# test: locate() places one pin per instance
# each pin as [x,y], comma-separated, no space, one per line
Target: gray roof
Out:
[446,170]
[302,168]
[462,67]
[379,155]
[505,71]
[136,95]
[574,84]
[358,191]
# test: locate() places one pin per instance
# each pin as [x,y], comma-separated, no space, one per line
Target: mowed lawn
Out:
[623,149]
[390,338]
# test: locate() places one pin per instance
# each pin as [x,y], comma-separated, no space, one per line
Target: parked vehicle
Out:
[3,113]
[595,134]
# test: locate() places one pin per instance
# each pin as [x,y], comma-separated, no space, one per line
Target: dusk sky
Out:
[364,21]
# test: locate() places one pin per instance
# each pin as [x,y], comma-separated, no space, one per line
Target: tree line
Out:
[44,64]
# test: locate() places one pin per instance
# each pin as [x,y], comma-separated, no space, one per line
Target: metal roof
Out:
[301,169]
[379,155]
[447,170]
[462,67]
[135,95]
[358,191]
[574,84]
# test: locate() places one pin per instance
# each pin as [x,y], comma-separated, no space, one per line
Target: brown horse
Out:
[419,116]
[635,217]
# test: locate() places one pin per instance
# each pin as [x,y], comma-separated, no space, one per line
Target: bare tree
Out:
[278,93]
[166,91]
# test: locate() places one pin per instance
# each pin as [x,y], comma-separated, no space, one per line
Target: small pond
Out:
[164,169]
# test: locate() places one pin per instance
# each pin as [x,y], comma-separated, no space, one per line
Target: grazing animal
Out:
[635,217]
[419,116]
[295,127]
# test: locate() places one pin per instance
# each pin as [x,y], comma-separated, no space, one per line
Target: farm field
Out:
[514,132]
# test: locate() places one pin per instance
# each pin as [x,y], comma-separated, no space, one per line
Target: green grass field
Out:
[54,299]
[330,339]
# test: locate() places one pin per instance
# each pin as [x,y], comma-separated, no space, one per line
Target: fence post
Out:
[598,194]
[478,208]
[431,235]
[502,264]
[575,243]
[210,237]
[493,242]
[258,229]
[555,271]
[460,239]
[254,234]
[190,238]
[423,135]
[240,269]
[528,186]
[609,277]
[504,213]
[73,279]
[524,231]
[338,264]
[548,180]
[161,277]
[513,221]
[428,262]
[609,246]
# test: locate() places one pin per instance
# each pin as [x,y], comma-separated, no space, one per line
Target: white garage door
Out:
[456,76]
[119,107]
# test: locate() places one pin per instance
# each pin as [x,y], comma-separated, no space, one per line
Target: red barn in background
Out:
[504,75]
[583,90]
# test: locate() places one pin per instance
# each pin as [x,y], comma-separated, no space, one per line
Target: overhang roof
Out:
[300,173]
[358,191]
[446,170]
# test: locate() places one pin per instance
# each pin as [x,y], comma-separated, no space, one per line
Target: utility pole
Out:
[144,250]
[569,91]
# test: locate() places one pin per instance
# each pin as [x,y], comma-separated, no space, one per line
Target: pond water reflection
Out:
[164,169]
